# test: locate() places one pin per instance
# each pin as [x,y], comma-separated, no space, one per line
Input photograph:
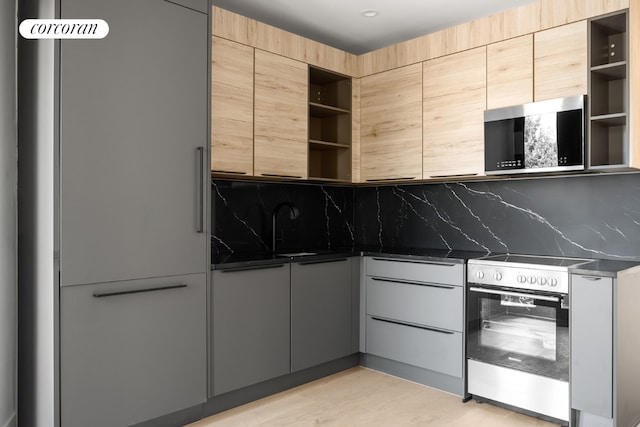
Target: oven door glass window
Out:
[519,330]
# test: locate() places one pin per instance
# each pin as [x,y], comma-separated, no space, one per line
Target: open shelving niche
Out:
[609,92]
[329,126]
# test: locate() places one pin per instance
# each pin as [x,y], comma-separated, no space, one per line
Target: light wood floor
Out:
[362,397]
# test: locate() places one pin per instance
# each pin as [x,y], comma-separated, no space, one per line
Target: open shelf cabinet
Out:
[608,92]
[329,126]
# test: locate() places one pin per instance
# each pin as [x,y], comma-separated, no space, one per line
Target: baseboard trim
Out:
[426,377]
[239,397]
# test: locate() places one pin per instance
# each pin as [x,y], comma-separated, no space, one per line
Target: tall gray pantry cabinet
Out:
[114,172]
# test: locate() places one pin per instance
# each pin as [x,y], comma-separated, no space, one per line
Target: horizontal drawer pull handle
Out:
[460,175]
[391,179]
[411,325]
[408,261]
[592,278]
[257,267]
[274,175]
[323,261]
[138,291]
[515,294]
[407,282]
[229,172]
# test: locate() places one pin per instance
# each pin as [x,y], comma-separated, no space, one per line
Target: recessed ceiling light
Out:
[369,13]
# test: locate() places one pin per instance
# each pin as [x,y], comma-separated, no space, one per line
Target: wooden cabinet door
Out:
[510,72]
[391,138]
[231,107]
[560,61]
[280,120]
[454,103]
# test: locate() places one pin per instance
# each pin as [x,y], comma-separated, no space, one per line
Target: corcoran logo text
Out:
[64,29]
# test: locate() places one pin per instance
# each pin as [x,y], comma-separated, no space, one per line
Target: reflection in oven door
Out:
[519,330]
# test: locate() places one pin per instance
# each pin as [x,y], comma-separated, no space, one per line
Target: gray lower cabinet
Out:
[427,348]
[605,344]
[450,273]
[132,351]
[321,312]
[250,326]
[433,304]
[415,314]
[592,345]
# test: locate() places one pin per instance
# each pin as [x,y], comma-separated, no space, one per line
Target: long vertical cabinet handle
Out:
[200,224]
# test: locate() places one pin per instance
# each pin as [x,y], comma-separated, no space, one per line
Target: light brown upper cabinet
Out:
[454,103]
[231,108]
[510,72]
[560,61]
[280,121]
[391,132]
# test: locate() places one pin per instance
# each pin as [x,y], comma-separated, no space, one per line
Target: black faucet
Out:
[293,214]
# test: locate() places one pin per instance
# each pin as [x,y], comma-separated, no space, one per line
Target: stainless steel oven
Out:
[518,332]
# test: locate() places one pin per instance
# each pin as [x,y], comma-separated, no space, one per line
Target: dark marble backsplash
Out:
[595,216]
[241,217]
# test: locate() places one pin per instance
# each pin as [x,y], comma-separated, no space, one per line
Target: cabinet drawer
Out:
[429,349]
[132,351]
[439,306]
[419,271]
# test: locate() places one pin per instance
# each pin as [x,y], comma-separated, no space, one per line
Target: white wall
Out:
[8,219]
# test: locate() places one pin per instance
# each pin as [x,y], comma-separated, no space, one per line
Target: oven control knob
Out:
[480,274]
[532,280]
[521,278]
[542,281]
[497,276]
[553,281]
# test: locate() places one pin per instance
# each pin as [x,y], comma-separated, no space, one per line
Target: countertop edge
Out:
[434,258]
[275,260]
[604,268]
[597,267]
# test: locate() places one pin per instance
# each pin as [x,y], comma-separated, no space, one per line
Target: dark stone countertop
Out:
[604,267]
[597,267]
[246,260]
[442,255]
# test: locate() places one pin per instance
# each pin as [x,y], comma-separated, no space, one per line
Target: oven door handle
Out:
[515,294]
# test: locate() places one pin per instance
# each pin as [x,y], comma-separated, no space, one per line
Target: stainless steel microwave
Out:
[545,136]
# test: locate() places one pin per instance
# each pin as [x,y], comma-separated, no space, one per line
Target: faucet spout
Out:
[293,214]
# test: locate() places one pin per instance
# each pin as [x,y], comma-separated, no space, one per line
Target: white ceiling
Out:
[339,23]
